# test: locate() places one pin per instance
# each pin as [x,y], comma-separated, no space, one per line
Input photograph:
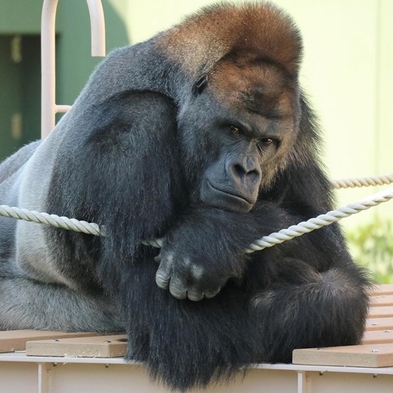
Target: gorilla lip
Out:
[228,194]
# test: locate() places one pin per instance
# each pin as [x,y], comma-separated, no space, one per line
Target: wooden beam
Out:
[87,347]
[15,340]
[370,355]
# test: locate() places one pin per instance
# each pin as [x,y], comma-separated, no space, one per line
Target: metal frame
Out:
[26,374]
[48,69]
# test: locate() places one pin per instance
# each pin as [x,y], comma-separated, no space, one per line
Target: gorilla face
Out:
[238,130]
[232,181]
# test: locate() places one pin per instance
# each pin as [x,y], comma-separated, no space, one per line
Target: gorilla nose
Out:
[244,169]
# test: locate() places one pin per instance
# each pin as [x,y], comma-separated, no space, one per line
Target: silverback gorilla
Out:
[202,136]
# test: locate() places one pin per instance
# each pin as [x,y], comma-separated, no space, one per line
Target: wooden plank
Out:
[87,347]
[384,289]
[373,355]
[380,312]
[379,324]
[378,337]
[381,300]
[15,340]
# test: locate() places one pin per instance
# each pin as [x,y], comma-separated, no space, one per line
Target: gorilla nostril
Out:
[239,170]
[253,176]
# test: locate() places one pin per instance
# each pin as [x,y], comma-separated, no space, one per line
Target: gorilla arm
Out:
[123,174]
[207,246]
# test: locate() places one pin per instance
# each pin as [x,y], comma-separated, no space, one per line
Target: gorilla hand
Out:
[194,267]
[186,278]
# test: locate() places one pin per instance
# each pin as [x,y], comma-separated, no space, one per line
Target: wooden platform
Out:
[375,351]
[377,346]
[58,362]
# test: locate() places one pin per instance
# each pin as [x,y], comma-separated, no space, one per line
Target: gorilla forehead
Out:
[260,88]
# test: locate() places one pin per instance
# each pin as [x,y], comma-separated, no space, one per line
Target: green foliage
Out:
[372,246]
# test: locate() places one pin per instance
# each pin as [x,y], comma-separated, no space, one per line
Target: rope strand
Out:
[320,221]
[362,182]
[70,224]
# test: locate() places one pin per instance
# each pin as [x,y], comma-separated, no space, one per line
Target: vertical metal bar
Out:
[303,382]
[48,76]
[48,70]
[45,377]
[97,26]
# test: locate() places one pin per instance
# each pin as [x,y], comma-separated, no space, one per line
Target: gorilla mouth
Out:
[227,200]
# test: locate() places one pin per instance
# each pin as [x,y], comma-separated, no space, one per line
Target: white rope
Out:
[71,224]
[266,241]
[362,181]
[321,221]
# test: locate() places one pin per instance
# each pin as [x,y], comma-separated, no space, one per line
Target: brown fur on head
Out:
[261,30]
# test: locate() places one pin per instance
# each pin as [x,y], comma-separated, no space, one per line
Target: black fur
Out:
[153,149]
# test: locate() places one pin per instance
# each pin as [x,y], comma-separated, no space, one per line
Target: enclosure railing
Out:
[48,48]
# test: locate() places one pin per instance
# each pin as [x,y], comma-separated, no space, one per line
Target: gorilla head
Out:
[243,103]
[253,124]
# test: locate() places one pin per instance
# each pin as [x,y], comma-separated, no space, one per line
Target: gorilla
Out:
[201,136]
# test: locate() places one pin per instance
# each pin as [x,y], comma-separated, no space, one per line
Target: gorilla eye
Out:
[234,130]
[266,141]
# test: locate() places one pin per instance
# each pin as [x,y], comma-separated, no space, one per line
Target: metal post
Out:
[303,382]
[45,377]
[48,71]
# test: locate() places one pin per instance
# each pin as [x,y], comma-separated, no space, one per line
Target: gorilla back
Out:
[202,136]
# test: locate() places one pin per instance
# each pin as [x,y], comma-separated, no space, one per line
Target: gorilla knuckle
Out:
[197,272]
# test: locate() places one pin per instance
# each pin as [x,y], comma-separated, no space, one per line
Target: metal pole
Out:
[48,70]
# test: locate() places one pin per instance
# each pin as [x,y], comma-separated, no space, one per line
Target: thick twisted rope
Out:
[363,181]
[70,224]
[321,221]
[266,241]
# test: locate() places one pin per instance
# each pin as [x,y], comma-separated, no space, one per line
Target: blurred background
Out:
[347,73]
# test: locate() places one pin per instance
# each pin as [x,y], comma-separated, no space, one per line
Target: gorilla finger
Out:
[177,289]
[195,296]
[162,278]
[210,294]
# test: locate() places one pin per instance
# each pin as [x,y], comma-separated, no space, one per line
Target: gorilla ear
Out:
[200,85]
